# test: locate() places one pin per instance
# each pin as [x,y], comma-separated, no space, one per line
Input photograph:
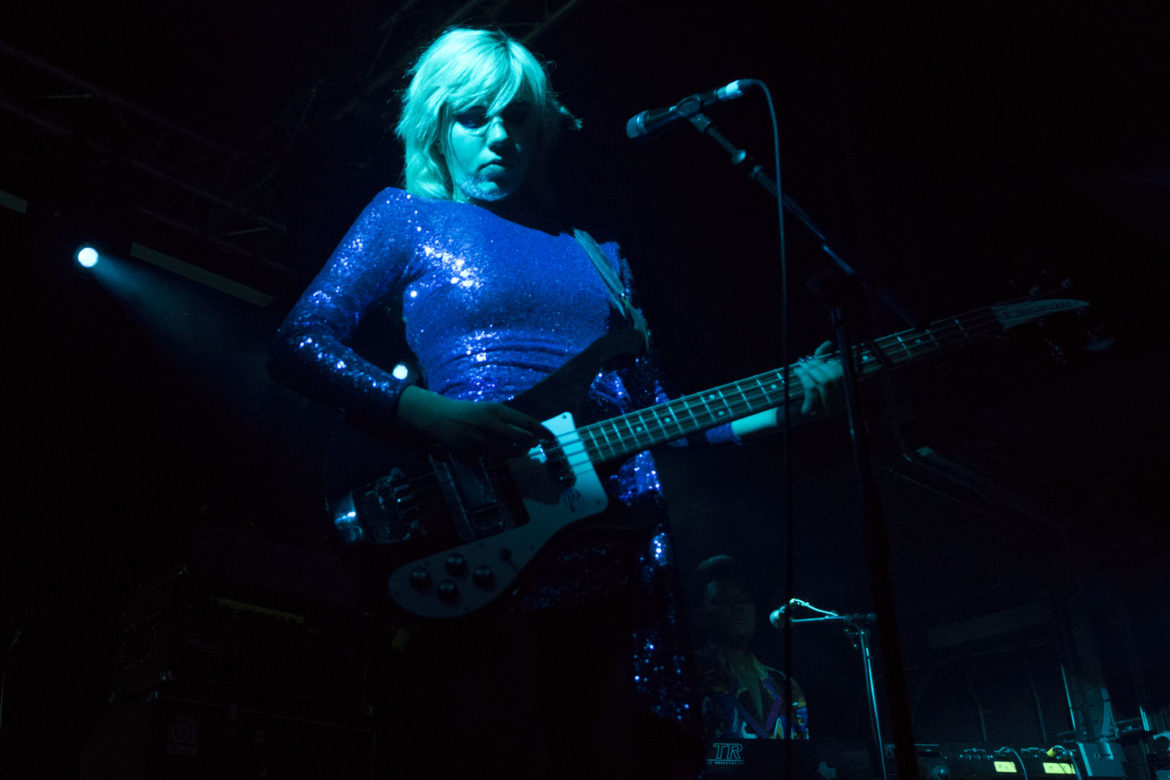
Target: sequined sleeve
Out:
[311,351]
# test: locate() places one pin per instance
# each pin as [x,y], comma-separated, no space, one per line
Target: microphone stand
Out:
[857,629]
[837,288]
[749,167]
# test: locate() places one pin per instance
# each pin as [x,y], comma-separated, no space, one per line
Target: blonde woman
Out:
[581,670]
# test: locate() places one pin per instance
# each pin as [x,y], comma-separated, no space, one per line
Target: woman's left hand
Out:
[820,378]
[820,381]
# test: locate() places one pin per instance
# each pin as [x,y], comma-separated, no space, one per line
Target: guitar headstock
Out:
[1065,332]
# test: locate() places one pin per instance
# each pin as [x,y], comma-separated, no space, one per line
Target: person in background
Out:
[742,697]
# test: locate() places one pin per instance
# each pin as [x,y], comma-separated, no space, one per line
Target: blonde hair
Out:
[467,67]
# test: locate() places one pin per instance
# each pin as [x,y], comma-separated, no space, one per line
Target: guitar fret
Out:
[763,388]
[747,402]
[589,436]
[902,344]
[768,392]
[600,439]
[690,414]
[668,419]
[590,433]
[630,427]
[715,396]
[615,447]
[645,418]
[695,423]
[911,344]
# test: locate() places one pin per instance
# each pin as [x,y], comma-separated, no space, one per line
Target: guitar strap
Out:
[613,283]
[566,387]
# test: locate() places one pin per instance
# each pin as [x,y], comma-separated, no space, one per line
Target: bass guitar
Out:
[459,533]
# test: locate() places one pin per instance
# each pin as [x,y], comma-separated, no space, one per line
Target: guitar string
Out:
[593,442]
[935,338]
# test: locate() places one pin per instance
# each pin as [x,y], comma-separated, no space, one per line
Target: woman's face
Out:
[488,155]
[730,613]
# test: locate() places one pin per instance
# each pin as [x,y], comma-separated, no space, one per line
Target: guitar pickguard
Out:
[558,486]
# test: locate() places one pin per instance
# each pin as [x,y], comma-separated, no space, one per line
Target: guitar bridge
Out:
[476,493]
[382,512]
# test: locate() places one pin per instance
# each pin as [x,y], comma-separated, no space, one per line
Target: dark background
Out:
[961,154]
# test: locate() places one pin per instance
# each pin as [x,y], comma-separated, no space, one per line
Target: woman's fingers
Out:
[820,378]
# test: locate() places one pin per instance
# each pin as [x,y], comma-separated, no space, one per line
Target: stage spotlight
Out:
[88,256]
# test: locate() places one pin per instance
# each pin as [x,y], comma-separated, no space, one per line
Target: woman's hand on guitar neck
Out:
[820,380]
[490,429]
[820,377]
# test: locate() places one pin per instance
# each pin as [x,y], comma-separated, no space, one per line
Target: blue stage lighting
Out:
[88,256]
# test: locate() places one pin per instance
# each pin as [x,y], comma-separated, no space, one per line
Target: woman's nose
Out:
[497,130]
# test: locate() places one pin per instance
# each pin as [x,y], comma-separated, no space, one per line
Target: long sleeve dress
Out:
[490,308]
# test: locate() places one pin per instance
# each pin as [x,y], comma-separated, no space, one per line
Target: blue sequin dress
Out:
[490,308]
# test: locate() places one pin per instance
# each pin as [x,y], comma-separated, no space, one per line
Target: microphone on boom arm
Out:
[647,123]
[777,616]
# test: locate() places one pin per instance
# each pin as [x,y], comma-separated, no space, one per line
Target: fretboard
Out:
[622,436]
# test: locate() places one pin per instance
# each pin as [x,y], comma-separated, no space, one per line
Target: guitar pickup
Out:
[478,494]
[381,512]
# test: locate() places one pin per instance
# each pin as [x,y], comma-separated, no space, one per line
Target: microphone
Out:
[642,126]
[777,616]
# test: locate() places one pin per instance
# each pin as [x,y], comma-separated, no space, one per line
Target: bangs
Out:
[464,69]
[493,82]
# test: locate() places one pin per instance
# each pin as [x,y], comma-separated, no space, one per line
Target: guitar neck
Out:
[621,436]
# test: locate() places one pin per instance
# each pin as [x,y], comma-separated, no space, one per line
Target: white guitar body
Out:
[465,578]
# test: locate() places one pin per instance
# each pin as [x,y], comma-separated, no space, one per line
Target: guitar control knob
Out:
[456,564]
[448,591]
[420,579]
[483,576]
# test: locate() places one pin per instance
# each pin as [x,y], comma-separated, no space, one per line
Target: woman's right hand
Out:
[469,427]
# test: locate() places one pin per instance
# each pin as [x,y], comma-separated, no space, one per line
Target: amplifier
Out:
[168,738]
[979,763]
[205,638]
[1054,762]
[983,762]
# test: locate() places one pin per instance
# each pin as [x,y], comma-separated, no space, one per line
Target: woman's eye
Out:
[516,115]
[477,117]
[472,118]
